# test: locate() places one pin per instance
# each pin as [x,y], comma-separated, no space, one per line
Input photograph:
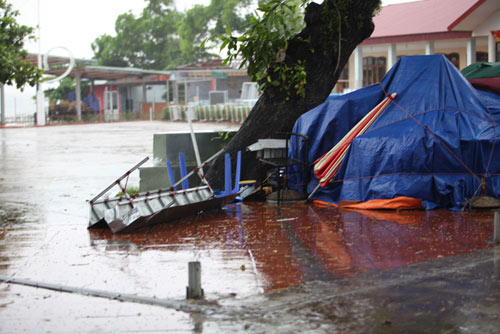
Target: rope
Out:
[429,111]
[413,117]
[494,142]
[400,173]
[434,135]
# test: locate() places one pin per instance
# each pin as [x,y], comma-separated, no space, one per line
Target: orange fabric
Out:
[323,203]
[398,203]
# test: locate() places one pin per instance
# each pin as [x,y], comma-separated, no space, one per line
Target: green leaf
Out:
[223,45]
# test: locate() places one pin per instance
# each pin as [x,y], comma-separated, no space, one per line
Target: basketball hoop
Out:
[68,70]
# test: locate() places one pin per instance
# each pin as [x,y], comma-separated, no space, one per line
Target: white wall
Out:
[491,23]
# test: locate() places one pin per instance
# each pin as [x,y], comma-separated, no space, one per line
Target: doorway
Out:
[111,112]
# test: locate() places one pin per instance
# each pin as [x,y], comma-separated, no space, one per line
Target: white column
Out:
[176,93]
[491,49]
[168,92]
[358,68]
[2,106]
[40,107]
[429,48]
[78,95]
[471,51]
[144,91]
[391,56]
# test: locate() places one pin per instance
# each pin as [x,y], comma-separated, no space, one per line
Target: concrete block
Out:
[167,146]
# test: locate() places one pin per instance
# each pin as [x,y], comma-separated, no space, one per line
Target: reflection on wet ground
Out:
[323,269]
[252,246]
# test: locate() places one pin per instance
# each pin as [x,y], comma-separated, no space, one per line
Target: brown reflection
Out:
[271,245]
[292,244]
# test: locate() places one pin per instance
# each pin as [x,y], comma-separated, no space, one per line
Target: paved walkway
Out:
[288,269]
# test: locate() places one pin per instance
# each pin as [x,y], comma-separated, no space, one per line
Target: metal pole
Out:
[78,95]
[40,108]
[193,138]
[313,192]
[119,179]
[154,109]
[2,107]
[194,290]
[496,227]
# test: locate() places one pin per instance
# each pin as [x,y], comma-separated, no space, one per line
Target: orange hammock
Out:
[328,165]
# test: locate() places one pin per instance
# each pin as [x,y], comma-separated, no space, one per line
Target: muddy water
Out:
[46,174]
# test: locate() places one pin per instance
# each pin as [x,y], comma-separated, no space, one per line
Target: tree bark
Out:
[318,47]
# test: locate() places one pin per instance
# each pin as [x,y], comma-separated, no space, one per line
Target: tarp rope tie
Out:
[434,135]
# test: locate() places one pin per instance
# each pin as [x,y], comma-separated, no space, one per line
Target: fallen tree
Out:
[319,52]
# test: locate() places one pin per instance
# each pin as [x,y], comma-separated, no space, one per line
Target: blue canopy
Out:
[436,141]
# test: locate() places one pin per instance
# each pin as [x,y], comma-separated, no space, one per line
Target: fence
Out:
[209,113]
[23,120]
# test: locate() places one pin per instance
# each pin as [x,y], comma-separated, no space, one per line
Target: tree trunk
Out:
[316,46]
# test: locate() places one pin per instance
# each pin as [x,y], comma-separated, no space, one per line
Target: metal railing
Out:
[24,120]
[234,113]
[208,113]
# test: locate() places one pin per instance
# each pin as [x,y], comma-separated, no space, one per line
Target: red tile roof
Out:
[422,17]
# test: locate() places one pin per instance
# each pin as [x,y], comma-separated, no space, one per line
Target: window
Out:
[373,70]
[453,57]
[343,81]
[481,57]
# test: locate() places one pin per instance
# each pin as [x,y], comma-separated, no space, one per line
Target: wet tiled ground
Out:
[248,249]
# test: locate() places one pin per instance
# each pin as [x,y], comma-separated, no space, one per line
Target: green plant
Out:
[130,191]
[225,137]
[262,47]
[130,116]
[14,68]
[165,114]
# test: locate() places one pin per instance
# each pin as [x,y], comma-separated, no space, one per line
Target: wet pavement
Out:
[288,269]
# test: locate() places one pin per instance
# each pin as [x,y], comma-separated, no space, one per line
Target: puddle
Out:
[253,246]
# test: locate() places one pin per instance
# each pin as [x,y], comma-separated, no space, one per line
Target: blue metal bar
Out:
[171,174]
[227,174]
[182,166]
[237,174]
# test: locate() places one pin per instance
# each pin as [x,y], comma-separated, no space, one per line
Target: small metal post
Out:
[194,290]
[496,227]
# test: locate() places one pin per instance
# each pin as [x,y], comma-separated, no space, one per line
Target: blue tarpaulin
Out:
[436,141]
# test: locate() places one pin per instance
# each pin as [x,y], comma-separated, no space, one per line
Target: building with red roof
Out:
[465,31]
